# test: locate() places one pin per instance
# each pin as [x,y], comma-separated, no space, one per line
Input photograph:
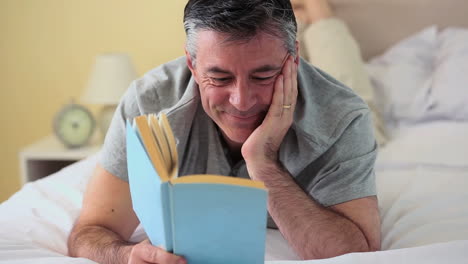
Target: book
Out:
[204,218]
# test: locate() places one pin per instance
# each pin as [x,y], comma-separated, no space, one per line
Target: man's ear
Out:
[297,59]
[189,62]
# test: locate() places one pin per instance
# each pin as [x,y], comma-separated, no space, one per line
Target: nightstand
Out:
[49,155]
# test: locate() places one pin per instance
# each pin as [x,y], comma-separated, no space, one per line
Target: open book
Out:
[205,218]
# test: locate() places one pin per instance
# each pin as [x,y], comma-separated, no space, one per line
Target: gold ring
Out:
[286,106]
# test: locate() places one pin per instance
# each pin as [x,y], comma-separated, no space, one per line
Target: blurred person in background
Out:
[326,42]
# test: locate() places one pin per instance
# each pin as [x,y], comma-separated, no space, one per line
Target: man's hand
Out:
[144,252]
[261,148]
[106,223]
[310,11]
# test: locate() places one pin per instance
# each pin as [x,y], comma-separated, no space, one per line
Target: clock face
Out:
[74,125]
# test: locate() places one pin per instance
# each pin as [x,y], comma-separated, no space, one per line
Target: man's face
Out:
[236,80]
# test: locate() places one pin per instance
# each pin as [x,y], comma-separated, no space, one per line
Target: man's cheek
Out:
[217,96]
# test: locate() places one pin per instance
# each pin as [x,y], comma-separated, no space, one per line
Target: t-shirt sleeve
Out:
[346,169]
[114,153]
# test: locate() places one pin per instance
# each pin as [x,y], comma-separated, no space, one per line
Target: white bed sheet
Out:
[422,199]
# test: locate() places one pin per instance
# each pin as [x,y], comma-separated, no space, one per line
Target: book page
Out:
[160,140]
[218,179]
[151,147]
[171,142]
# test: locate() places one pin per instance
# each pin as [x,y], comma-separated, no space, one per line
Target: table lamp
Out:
[109,79]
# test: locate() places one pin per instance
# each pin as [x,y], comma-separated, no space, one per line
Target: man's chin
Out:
[238,137]
[236,133]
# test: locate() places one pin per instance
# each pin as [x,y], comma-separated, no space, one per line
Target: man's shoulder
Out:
[172,69]
[326,112]
[162,88]
[326,106]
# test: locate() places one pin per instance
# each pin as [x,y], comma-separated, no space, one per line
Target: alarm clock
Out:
[74,125]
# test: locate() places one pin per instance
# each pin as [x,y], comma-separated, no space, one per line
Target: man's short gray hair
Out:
[241,20]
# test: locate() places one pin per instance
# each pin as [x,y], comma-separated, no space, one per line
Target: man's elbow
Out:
[333,250]
[71,243]
[363,245]
[75,238]
[374,245]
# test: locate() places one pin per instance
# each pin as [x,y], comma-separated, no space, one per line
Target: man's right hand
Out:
[144,252]
[106,223]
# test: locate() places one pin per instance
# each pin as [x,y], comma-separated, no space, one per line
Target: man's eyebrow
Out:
[216,69]
[266,68]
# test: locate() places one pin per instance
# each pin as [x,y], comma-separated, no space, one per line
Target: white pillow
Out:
[421,206]
[402,77]
[450,80]
[441,143]
[422,179]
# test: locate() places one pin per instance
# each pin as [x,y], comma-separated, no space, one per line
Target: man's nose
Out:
[241,97]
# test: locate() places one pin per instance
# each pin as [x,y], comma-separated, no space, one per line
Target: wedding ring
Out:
[286,106]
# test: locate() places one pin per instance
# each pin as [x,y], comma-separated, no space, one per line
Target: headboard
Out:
[378,24]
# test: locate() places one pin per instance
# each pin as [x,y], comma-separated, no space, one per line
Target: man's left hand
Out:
[261,148]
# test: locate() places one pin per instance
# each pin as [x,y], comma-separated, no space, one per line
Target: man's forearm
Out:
[312,230]
[98,244]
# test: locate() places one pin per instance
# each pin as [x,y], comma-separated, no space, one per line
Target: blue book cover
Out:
[219,222]
[149,194]
[204,218]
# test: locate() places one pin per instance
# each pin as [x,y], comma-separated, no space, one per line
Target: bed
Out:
[418,72]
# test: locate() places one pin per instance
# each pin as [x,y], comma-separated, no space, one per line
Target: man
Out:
[242,103]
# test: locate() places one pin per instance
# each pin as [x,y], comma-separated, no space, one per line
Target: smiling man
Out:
[242,103]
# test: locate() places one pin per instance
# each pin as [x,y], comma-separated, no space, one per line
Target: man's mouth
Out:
[244,117]
[244,120]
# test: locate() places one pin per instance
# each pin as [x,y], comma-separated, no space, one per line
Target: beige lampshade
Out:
[110,77]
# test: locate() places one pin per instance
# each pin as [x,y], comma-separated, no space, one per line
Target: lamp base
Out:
[105,118]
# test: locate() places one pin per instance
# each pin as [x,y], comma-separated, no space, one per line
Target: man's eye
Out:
[262,78]
[226,79]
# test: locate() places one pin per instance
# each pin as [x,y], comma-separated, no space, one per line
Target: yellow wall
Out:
[47,48]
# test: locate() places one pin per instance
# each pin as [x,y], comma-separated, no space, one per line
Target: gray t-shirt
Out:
[330,148]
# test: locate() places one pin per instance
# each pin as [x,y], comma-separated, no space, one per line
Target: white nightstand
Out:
[49,155]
